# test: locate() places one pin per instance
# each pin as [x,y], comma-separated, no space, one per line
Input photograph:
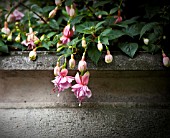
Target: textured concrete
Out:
[84,123]
[47,60]
[131,99]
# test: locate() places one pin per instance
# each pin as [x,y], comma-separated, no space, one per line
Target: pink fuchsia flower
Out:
[62,81]
[65,39]
[81,89]
[118,17]
[31,40]
[68,32]
[166,60]
[108,57]
[82,65]
[15,16]
[18,15]
[71,10]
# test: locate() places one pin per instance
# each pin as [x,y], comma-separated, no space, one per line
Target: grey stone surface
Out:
[47,61]
[110,87]
[85,123]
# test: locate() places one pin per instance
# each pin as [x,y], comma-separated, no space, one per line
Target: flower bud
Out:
[18,38]
[100,46]
[9,38]
[83,42]
[166,60]
[72,11]
[164,37]
[53,13]
[146,41]
[42,37]
[82,66]
[72,62]
[59,43]
[33,54]
[60,48]
[58,2]
[108,57]
[5,30]
[57,69]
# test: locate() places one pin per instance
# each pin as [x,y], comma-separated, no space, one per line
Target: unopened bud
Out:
[53,13]
[100,46]
[32,55]
[108,57]
[164,37]
[82,66]
[83,42]
[166,60]
[42,37]
[60,48]
[72,11]
[59,44]
[57,69]
[72,62]
[146,41]
[58,2]
[18,38]
[9,38]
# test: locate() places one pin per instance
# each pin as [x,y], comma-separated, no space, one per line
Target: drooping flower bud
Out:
[146,41]
[42,37]
[100,46]
[59,43]
[58,2]
[9,38]
[53,13]
[33,54]
[83,42]
[5,30]
[57,69]
[108,57]
[72,11]
[72,62]
[18,38]
[82,66]
[166,60]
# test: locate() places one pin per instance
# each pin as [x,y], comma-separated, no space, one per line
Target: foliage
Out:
[92,19]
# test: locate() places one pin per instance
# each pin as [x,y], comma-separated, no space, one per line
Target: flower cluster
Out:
[86,29]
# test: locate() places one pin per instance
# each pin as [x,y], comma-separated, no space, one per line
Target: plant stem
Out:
[34,12]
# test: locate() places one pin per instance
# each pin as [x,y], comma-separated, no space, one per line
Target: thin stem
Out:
[34,13]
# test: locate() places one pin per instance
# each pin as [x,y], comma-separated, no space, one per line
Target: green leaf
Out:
[151,48]
[99,24]
[68,2]
[112,11]
[112,34]
[3,47]
[101,13]
[48,8]
[133,30]
[36,8]
[129,48]
[46,45]
[100,3]
[77,19]
[147,27]
[85,27]
[51,34]
[54,24]
[94,53]
[104,40]
[74,41]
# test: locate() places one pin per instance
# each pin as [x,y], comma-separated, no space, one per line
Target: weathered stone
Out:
[47,61]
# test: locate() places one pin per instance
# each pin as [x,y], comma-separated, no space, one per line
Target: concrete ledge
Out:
[47,60]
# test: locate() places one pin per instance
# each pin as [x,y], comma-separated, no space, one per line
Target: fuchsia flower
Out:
[118,17]
[81,89]
[5,29]
[62,81]
[15,16]
[67,33]
[108,57]
[31,40]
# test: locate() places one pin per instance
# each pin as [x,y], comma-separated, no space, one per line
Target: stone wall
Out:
[130,99]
